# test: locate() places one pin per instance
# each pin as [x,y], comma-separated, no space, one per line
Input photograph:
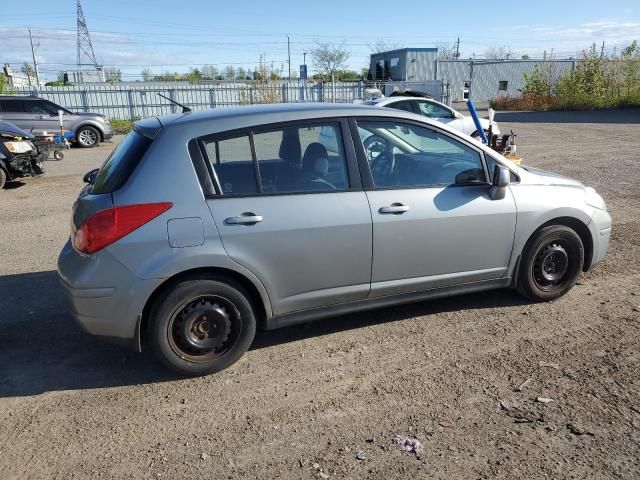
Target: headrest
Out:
[290,149]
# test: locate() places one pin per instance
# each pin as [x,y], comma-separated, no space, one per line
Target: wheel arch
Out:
[254,296]
[89,124]
[579,227]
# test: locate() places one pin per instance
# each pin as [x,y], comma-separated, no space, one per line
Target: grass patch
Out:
[121,127]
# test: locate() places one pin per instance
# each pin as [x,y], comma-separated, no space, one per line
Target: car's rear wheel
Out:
[88,136]
[551,263]
[202,325]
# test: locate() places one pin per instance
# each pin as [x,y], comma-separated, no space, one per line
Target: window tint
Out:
[120,163]
[405,155]
[303,158]
[40,107]
[404,106]
[12,106]
[232,162]
[433,110]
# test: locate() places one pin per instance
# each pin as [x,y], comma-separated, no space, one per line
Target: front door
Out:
[288,211]
[434,223]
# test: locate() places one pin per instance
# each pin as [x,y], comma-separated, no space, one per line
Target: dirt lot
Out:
[304,399]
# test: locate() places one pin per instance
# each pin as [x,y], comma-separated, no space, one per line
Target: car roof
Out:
[381,102]
[271,113]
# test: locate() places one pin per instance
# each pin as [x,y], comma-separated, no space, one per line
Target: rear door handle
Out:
[394,209]
[246,218]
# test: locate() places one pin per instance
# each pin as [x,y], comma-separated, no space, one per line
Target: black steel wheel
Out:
[202,325]
[551,263]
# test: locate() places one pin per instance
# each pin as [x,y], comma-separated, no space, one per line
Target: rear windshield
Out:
[121,162]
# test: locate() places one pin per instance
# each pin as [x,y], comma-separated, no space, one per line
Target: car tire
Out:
[3,178]
[58,155]
[202,325]
[550,264]
[88,136]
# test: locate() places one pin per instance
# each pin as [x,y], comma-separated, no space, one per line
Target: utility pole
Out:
[602,50]
[35,62]
[458,48]
[289,54]
[304,58]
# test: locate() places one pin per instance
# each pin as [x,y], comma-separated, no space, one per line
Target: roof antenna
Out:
[184,109]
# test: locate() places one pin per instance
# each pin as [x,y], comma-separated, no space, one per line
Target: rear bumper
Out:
[600,227]
[104,297]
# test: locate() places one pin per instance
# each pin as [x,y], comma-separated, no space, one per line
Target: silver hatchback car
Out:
[202,227]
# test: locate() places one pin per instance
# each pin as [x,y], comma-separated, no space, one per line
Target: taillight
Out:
[108,226]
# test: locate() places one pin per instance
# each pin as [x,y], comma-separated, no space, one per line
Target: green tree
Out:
[241,74]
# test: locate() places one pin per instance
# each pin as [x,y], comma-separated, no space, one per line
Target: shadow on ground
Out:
[627,116]
[43,350]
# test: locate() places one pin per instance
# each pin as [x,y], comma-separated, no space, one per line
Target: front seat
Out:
[315,164]
[287,173]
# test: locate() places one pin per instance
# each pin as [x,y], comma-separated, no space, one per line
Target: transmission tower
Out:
[86,55]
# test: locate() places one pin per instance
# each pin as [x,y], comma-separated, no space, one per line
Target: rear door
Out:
[434,223]
[290,208]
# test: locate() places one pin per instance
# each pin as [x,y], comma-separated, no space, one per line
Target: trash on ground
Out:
[544,400]
[408,444]
[523,385]
[550,365]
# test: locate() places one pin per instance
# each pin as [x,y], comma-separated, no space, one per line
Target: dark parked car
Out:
[19,157]
[38,115]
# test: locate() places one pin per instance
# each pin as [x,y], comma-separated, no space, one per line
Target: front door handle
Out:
[42,117]
[394,209]
[246,218]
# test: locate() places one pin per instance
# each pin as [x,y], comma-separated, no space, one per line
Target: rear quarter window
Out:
[119,165]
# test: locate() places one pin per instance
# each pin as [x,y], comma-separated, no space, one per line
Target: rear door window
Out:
[119,165]
[232,163]
[11,106]
[298,158]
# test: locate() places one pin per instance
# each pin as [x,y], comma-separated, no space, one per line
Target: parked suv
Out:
[37,115]
[201,227]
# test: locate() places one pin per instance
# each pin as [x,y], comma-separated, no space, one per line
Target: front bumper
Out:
[105,298]
[107,131]
[600,228]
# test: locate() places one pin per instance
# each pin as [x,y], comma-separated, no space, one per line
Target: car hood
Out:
[550,178]
[10,130]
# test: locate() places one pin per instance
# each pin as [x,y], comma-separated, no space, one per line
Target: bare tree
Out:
[147,75]
[382,46]
[328,58]
[445,51]
[499,53]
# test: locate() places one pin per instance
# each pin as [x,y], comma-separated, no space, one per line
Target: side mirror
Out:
[501,179]
[90,176]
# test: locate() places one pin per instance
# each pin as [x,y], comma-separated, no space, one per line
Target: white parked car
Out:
[436,111]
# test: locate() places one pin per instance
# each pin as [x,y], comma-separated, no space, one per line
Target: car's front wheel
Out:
[551,263]
[88,136]
[202,325]
[3,178]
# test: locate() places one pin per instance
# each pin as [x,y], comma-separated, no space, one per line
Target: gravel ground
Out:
[324,400]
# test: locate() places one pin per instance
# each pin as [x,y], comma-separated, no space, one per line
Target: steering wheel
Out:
[381,160]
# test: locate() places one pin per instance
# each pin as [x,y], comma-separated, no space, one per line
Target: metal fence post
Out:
[85,104]
[172,96]
[132,111]
[212,98]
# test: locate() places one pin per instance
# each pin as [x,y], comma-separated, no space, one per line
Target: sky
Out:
[163,35]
